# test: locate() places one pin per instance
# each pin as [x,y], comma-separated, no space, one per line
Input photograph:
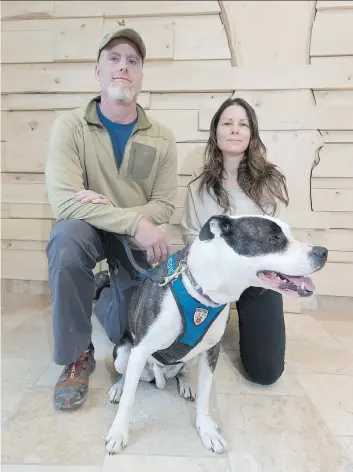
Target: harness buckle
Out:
[181,267]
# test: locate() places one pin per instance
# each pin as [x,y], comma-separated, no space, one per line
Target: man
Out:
[110,169]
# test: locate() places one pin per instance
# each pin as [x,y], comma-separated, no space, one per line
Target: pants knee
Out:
[71,245]
[265,374]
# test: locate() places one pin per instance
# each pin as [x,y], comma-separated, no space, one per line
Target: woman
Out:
[237,179]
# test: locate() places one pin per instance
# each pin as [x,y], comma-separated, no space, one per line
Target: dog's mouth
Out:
[292,285]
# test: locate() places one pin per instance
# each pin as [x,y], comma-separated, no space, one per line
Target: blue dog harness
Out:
[196,317]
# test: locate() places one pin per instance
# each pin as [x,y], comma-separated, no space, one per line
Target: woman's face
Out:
[233,131]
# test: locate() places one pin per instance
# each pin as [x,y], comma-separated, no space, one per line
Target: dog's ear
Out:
[215,226]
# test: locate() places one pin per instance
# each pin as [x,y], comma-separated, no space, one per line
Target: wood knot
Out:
[121,22]
[33,125]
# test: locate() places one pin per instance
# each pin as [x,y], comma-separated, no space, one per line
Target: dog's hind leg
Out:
[186,390]
[118,434]
[208,430]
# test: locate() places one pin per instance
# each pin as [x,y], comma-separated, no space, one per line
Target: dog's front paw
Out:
[211,436]
[187,391]
[116,391]
[116,440]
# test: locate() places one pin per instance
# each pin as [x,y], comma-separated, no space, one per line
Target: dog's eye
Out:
[226,227]
[273,239]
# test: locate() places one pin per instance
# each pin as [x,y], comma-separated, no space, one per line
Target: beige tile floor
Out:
[303,423]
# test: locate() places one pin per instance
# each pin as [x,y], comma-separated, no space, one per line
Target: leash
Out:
[149,273]
[162,281]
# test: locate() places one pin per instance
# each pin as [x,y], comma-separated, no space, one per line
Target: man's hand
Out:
[88,196]
[153,240]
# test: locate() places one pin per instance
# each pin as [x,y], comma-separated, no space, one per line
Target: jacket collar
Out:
[91,116]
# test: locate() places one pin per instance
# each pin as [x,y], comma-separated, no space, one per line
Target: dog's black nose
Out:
[320,252]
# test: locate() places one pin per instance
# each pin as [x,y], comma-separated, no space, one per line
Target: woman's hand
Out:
[88,196]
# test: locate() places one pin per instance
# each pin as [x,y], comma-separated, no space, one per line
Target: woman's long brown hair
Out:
[257,177]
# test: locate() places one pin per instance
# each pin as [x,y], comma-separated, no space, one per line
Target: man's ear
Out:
[97,71]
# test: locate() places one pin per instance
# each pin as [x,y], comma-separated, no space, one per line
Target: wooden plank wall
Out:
[278,55]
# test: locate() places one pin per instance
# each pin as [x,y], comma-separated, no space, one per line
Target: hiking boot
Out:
[71,390]
[101,280]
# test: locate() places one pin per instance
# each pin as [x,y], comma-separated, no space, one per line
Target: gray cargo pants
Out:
[73,251]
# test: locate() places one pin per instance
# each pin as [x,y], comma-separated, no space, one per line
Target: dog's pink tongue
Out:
[303,282]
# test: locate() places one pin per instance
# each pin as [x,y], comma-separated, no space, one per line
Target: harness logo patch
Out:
[200,315]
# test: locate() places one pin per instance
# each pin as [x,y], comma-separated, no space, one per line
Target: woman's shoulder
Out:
[195,179]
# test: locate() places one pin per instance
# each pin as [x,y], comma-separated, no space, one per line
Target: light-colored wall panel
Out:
[332,61]
[336,98]
[200,37]
[24,265]
[331,182]
[334,240]
[26,137]
[25,25]
[337,136]
[22,46]
[334,280]
[26,229]
[276,100]
[77,39]
[332,199]
[42,211]
[187,76]
[52,101]
[184,123]
[270,32]
[336,160]
[340,256]
[186,101]
[334,4]
[190,157]
[284,118]
[27,10]
[332,33]
[70,9]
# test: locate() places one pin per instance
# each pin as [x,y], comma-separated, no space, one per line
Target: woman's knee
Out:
[265,373]
[73,243]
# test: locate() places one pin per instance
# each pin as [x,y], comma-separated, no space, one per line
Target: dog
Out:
[229,255]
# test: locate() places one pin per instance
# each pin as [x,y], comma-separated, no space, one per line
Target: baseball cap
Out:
[128,33]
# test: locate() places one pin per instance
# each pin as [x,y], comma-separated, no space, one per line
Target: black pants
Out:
[262,334]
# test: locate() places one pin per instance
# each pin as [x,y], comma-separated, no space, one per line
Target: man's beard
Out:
[121,92]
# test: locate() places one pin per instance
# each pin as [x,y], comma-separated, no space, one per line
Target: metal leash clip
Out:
[181,267]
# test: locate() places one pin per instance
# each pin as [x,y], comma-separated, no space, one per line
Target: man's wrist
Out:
[136,223]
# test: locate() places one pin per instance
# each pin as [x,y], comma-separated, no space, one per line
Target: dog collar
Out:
[197,287]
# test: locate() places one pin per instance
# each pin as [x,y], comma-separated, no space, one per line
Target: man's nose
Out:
[122,64]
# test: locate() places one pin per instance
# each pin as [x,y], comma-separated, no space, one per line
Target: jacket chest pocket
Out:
[141,160]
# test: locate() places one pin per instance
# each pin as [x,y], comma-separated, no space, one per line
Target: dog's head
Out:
[262,252]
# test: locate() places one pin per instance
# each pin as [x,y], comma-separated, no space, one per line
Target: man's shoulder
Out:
[72,118]
[159,129]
